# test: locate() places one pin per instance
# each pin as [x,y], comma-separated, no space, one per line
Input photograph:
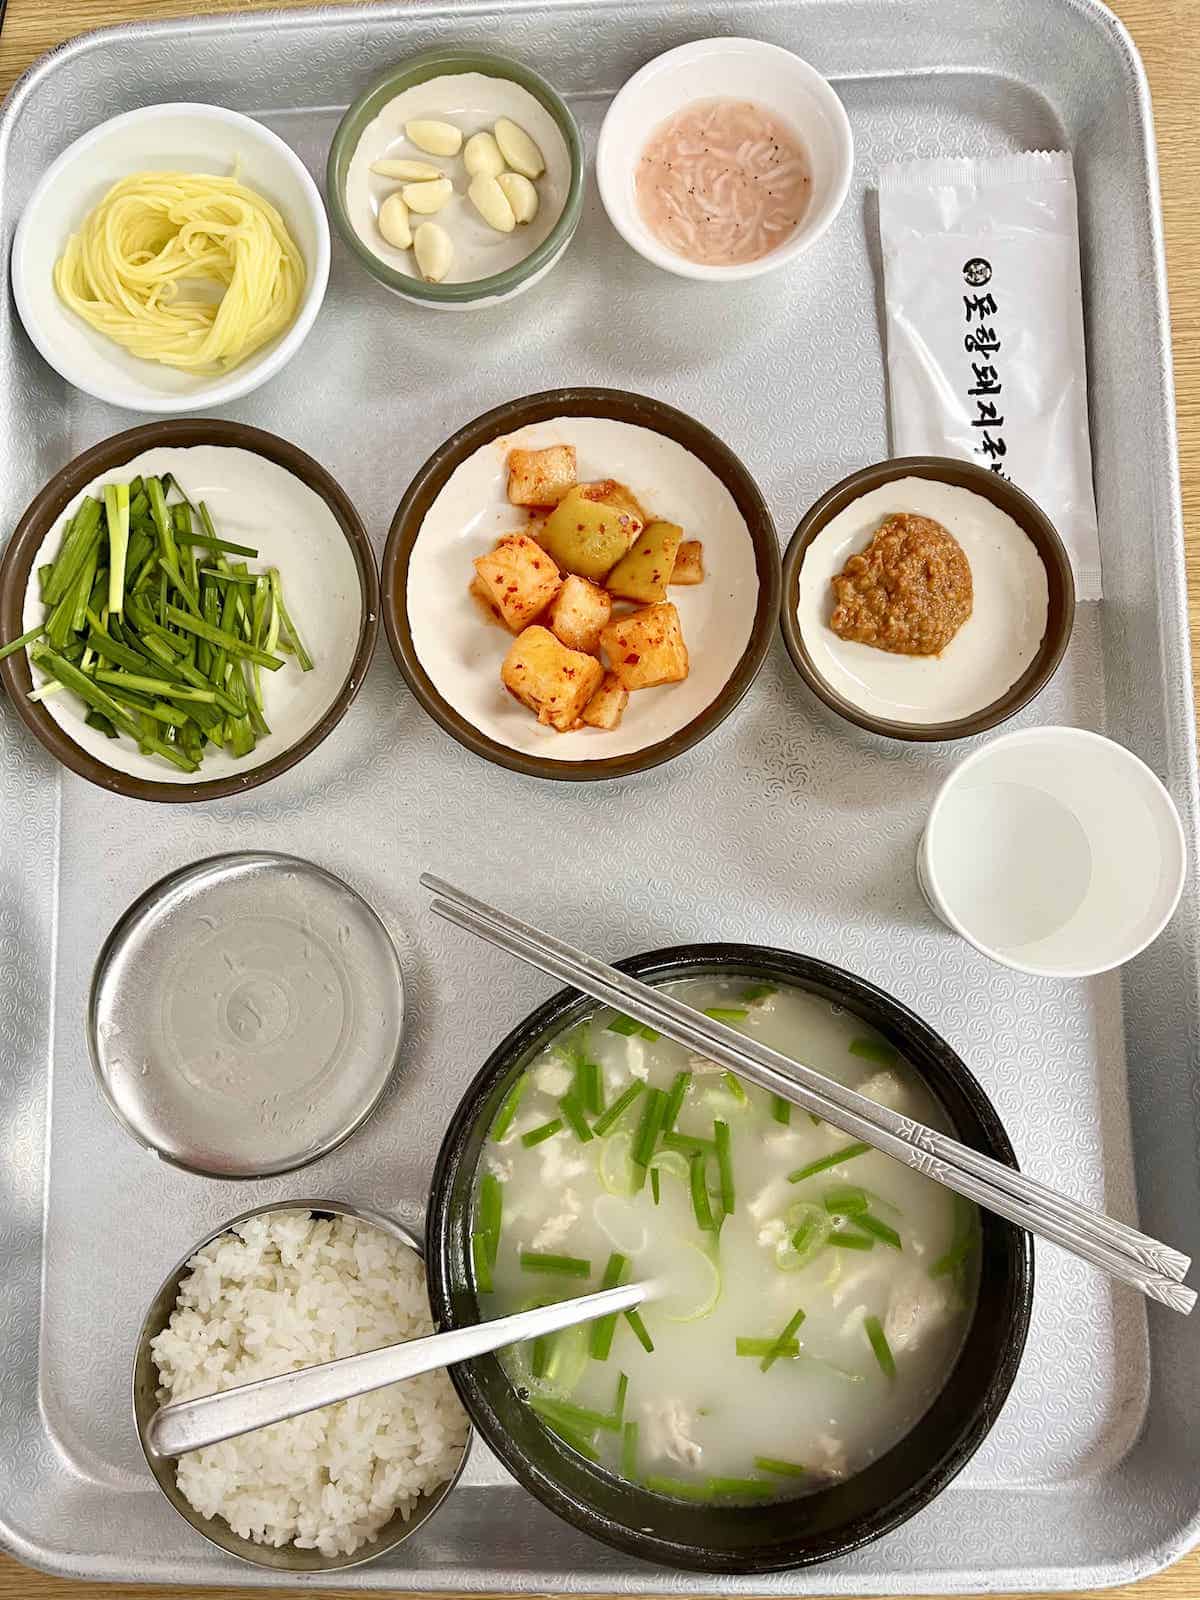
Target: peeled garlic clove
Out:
[433,251]
[435,138]
[481,153]
[488,198]
[406,171]
[520,194]
[393,222]
[518,149]
[426,198]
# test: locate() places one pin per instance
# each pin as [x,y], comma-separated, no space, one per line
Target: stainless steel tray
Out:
[783,828]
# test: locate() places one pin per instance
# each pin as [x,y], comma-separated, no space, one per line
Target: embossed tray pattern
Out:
[785,827]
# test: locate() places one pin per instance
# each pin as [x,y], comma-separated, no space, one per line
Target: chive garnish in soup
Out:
[723,182]
[817,1291]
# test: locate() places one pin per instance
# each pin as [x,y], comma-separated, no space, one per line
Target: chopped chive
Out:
[851,1241]
[676,1488]
[782,1469]
[847,1201]
[540,1135]
[581,1417]
[557,1266]
[628,1028]
[573,1113]
[303,660]
[758,991]
[655,1186]
[508,1109]
[540,1355]
[648,1128]
[481,1261]
[803,1234]
[618,1410]
[834,1159]
[629,1450]
[675,1098]
[880,1230]
[727,1013]
[699,1186]
[491,1210]
[574,1437]
[880,1345]
[874,1050]
[733,1084]
[781,1109]
[761,1348]
[226,641]
[606,1123]
[634,1319]
[725,1166]
[625,1026]
[748,1488]
[19,644]
[685,1145]
[793,1324]
[601,1333]
[593,1087]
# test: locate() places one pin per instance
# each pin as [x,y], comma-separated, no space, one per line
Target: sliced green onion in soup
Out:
[879,1344]
[508,1108]
[833,1159]
[874,1050]
[614,1166]
[634,1319]
[694,1286]
[604,1124]
[782,1469]
[879,1230]
[809,1227]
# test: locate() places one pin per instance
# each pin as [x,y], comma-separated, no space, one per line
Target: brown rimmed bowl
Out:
[715,1538]
[1029,516]
[45,512]
[498,424]
[287,1559]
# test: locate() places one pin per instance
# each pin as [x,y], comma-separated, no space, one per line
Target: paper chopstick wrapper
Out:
[985,329]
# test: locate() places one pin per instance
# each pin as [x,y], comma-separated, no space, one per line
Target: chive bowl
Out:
[711,1537]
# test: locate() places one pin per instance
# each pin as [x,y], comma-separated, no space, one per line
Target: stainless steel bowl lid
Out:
[246,1015]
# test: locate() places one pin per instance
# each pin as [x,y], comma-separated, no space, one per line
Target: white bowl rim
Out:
[810,230]
[241,381]
[1069,734]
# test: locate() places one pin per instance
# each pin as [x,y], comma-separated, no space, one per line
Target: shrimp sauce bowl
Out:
[835,1334]
[724,159]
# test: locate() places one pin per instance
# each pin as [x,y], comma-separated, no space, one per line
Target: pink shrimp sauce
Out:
[723,182]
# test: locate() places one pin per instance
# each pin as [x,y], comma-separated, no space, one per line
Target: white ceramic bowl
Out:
[179,137]
[744,69]
[1054,851]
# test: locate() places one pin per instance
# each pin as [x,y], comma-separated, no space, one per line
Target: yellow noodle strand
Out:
[137,269]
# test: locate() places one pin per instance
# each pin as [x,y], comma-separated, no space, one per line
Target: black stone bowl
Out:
[756,1538]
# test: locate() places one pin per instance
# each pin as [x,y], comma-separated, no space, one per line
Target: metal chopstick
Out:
[1114,1247]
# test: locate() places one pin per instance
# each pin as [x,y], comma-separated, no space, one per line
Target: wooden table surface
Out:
[1164,32]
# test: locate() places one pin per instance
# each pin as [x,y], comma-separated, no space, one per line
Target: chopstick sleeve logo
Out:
[982,344]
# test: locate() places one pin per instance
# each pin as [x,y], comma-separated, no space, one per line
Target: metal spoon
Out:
[191,1424]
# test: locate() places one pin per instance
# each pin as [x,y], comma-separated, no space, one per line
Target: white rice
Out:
[278,1293]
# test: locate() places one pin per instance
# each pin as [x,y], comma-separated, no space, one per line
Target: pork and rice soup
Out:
[283,1291]
[818,1291]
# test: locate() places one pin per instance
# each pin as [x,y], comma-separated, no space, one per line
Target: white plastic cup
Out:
[1053,851]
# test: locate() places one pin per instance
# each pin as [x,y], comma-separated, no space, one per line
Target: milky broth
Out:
[827,1405]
